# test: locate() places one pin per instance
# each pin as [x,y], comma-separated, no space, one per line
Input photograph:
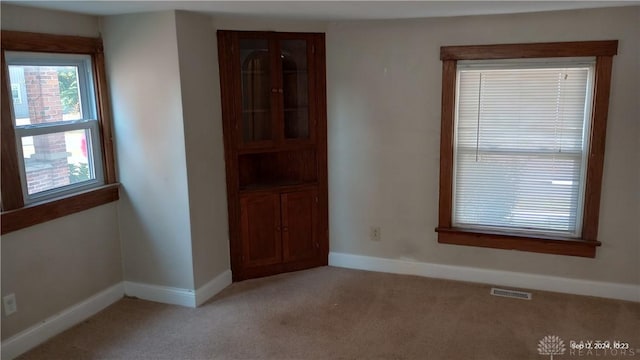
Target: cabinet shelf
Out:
[277,186]
[284,147]
[277,168]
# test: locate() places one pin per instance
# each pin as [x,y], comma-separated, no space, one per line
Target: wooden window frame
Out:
[586,245]
[15,215]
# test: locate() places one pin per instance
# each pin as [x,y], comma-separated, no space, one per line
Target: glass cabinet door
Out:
[256,88]
[295,88]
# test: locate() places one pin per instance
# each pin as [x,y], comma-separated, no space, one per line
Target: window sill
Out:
[38,213]
[510,241]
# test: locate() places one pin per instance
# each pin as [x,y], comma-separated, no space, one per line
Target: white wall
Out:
[20,18]
[252,23]
[141,56]
[384,80]
[56,264]
[202,121]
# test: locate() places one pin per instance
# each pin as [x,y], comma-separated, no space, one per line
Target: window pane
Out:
[528,109]
[45,94]
[518,191]
[295,84]
[16,94]
[256,89]
[520,137]
[57,159]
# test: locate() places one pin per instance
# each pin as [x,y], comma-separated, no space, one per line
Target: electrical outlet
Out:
[10,305]
[374,233]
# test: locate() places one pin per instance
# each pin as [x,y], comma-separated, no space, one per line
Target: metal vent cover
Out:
[511,293]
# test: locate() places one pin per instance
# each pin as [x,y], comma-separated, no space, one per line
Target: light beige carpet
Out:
[333,313]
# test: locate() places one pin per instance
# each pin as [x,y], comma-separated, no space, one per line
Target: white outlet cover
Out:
[9,304]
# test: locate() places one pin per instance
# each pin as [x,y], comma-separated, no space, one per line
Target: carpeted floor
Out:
[334,313]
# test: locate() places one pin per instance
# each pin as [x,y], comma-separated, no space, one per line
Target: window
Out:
[58,137]
[56,153]
[520,136]
[16,94]
[522,145]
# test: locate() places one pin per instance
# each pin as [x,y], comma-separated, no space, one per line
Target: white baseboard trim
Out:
[208,290]
[178,296]
[162,294]
[41,332]
[495,277]
[54,325]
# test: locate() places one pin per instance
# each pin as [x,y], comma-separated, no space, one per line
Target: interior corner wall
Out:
[141,57]
[197,43]
[56,264]
[200,84]
[202,118]
[384,87]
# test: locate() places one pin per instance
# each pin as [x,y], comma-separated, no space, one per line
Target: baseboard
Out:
[50,327]
[178,296]
[41,332]
[208,290]
[162,294]
[495,277]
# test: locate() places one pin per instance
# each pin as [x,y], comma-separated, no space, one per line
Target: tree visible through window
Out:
[69,92]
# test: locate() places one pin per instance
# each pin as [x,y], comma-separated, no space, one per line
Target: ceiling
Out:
[323,10]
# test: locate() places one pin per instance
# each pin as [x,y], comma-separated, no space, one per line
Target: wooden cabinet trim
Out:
[314,147]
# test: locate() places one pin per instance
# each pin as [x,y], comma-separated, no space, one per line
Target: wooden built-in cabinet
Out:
[274,118]
[279,227]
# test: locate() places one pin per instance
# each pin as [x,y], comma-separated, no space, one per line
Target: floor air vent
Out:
[511,294]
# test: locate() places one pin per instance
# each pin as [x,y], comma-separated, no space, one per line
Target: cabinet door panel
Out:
[294,55]
[260,229]
[256,89]
[299,220]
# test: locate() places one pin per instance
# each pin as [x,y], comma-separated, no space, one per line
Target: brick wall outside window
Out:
[47,168]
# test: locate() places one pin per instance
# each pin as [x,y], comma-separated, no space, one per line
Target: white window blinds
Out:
[520,140]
